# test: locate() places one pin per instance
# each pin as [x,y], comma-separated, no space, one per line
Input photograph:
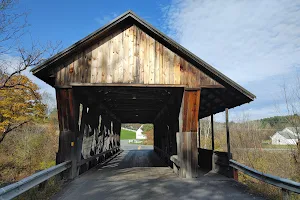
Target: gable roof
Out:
[287,135]
[294,130]
[130,17]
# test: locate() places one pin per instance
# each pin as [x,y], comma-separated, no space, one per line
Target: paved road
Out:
[138,173]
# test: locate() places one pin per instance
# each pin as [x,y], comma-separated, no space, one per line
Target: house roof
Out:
[130,17]
[295,130]
[288,135]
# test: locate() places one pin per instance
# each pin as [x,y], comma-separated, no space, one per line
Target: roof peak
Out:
[165,40]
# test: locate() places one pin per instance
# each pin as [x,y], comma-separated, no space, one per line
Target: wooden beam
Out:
[67,126]
[212,132]
[205,86]
[227,132]
[199,136]
[189,111]
[133,109]
[127,85]
[62,87]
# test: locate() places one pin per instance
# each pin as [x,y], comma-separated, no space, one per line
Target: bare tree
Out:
[13,25]
[291,95]
[205,132]
[49,101]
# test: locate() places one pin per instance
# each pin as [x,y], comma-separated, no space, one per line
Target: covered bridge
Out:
[129,72]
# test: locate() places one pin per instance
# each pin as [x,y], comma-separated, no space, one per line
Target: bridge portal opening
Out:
[101,111]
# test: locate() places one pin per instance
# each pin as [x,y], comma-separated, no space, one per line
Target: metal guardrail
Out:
[15,189]
[284,184]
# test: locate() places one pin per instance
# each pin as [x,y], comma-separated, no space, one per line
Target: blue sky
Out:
[255,43]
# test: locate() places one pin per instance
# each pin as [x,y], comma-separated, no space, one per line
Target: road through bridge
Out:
[138,173]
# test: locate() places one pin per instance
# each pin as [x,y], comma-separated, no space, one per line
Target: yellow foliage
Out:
[19,102]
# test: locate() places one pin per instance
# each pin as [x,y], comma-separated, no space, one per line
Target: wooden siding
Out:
[130,56]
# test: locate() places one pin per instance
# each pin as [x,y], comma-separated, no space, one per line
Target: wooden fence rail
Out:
[111,151]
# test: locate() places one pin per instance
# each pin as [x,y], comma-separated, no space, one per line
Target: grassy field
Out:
[271,146]
[127,135]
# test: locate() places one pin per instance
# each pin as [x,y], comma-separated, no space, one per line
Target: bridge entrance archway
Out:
[159,105]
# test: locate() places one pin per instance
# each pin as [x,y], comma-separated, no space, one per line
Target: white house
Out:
[139,134]
[288,136]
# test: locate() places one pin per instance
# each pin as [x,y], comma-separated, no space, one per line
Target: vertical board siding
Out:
[130,56]
[125,58]
[131,66]
[94,64]
[141,55]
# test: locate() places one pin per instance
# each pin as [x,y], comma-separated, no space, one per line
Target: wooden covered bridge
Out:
[129,72]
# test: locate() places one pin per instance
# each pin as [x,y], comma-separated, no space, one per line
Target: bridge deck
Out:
[138,173]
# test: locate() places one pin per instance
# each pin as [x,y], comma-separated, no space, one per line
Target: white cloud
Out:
[255,43]
[247,40]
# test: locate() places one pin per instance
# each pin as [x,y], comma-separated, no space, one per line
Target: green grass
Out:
[271,146]
[127,135]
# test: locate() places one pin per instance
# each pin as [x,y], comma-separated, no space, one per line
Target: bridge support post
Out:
[187,136]
[188,154]
[67,126]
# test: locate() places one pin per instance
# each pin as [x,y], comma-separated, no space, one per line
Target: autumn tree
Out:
[19,104]
[20,100]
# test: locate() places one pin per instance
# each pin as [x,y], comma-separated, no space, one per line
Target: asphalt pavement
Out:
[138,173]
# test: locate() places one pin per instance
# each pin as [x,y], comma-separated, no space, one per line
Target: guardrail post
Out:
[285,194]
[236,174]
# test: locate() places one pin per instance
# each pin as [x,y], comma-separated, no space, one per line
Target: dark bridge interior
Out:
[130,104]
[143,104]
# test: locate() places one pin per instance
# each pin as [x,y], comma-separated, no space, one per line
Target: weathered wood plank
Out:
[156,63]
[87,61]
[141,56]
[176,64]
[133,58]
[166,66]
[146,61]
[190,110]
[58,75]
[94,63]
[76,69]
[171,67]
[161,64]
[127,85]
[183,74]
[136,55]
[131,64]
[80,67]
[109,72]
[99,64]
[195,103]
[115,59]
[126,56]
[120,63]
[130,56]
[63,75]
[151,53]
